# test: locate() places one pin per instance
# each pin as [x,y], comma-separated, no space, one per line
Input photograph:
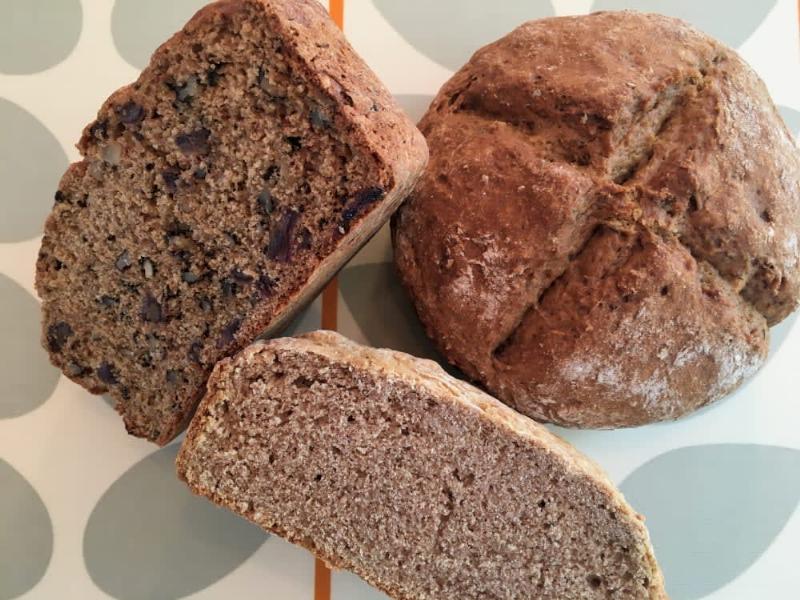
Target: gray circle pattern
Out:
[37,34]
[729,22]
[713,510]
[792,119]
[415,105]
[140,26]
[149,538]
[26,534]
[449,31]
[31,164]
[26,377]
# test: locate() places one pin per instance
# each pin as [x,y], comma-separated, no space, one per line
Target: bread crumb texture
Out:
[216,194]
[383,464]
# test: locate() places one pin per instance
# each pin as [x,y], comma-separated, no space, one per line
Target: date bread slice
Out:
[381,463]
[216,195]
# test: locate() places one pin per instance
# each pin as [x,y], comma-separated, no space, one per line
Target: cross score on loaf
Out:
[609,221]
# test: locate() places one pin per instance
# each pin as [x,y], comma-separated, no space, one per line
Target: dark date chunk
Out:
[130,113]
[151,309]
[99,130]
[189,277]
[194,142]
[60,197]
[195,352]
[319,118]
[107,373]
[108,301]
[294,143]
[229,332]
[170,176]
[57,335]
[174,376]
[362,199]
[214,74]
[265,286]
[280,237]
[305,239]
[264,201]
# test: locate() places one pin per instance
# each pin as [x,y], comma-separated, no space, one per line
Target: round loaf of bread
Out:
[609,221]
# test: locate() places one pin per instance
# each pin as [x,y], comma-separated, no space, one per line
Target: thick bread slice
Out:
[216,195]
[426,487]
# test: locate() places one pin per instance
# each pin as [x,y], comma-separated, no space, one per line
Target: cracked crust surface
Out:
[381,463]
[609,221]
[216,196]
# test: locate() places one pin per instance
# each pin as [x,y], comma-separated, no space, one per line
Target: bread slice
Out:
[383,464]
[216,195]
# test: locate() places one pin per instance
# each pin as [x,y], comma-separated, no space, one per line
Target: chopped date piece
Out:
[294,143]
[60,197]
[194,142]
[214,73]
[205,304]
[229,287]
[108,301]
[189,277]
[229,332]
[280,237]
[264,201]
[130,113]
[195,353]
[106,373]
[265,285]
[151,309]
[363,199]
[305,239]
[123,261]
[200,173]
[174,376]
[271,173]
[319,119]
[57,335]
[171,175]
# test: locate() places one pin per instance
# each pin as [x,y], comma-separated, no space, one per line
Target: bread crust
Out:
[433,381]
[364,112]
[608,225]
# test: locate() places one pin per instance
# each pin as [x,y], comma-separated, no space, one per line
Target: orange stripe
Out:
[330,297]
[322,581]
[336,9]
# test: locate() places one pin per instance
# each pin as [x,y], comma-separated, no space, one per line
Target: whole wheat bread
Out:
[383,464]
[609,221]
[216,195]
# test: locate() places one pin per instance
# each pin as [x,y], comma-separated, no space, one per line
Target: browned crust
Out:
[572,124]
[328,61]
